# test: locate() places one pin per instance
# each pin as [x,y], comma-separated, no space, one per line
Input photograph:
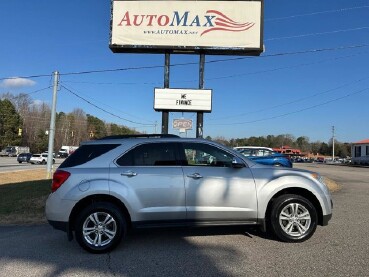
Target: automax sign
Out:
[210,27]
[182,99]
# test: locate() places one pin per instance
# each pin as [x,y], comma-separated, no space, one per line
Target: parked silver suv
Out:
[110,185]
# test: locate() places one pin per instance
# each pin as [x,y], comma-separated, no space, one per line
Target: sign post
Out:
[165,114]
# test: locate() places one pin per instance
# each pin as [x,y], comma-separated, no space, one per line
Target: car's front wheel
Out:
[100,227]
[293,218]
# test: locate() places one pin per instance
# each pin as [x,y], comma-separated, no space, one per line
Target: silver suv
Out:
[113,184]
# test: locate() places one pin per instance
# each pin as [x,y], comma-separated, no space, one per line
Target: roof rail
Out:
[140,136]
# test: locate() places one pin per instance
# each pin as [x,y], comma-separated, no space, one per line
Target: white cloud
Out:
[17,83]
[38,102]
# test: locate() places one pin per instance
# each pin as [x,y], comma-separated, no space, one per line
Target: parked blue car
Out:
[264,155]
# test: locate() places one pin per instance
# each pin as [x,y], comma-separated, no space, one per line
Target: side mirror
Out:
[237,163]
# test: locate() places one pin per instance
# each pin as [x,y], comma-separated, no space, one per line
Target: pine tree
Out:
[10,123]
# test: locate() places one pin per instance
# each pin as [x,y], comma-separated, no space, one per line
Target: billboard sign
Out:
[209,27]
[190,100]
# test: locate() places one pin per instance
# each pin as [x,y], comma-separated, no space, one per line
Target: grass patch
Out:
[24,202]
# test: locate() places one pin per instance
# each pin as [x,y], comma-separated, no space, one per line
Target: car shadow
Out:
[205,251]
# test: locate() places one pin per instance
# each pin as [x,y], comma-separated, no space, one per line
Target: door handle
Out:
[129,173]
[195,176]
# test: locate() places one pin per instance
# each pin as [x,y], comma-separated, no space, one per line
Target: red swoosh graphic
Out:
[224,23]
[226,29]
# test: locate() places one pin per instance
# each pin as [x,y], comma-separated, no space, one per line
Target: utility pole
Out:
[200,115]
[52,127]
[332,143]
[165,114]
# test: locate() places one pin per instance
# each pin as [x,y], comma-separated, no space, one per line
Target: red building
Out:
[288,151]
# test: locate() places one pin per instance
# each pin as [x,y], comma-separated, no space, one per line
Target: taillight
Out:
[59,178]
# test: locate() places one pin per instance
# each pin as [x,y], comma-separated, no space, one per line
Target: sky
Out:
[312,75]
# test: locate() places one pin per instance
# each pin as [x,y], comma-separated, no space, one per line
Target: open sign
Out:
[182,124]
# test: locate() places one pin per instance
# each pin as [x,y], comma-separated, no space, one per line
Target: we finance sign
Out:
[212,27]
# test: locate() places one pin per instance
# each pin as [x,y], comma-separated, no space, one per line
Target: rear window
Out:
[86,153]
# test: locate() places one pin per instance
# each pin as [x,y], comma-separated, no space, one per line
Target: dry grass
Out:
[332,185]
[22,176]
[23,195]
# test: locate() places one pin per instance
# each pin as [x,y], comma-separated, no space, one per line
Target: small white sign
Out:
[182,99]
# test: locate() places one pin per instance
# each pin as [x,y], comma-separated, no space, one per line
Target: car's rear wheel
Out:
[100,227]
[293,218]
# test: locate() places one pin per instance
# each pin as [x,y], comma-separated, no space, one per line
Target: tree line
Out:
[24,123]
[303,143]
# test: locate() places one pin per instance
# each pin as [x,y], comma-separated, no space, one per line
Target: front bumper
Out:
[326,218]
[59,225]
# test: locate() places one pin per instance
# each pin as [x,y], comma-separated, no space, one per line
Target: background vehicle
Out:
[13,151]
[267,156]
[66,150]
[112,184]
[24,157]
[39,159]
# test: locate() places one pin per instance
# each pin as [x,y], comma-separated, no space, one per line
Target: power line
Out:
[294,101]
[280,68]
[316,13]
[26,77]
[220,77]
[294,112]
[319,50]
[118,109]
[94,105]
[321,33]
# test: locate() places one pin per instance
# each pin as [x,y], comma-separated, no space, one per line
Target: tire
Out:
[20,162]
[286,219]
[93,234]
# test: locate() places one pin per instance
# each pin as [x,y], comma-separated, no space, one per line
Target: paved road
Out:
[10,164]
[340,249]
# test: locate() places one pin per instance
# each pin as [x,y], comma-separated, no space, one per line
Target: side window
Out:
[259,152]
[150,154]
[247,152]
[199,154]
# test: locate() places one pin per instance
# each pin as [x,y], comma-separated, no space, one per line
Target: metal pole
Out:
[200,115]
[52,127]
[332,143]
[165,114]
